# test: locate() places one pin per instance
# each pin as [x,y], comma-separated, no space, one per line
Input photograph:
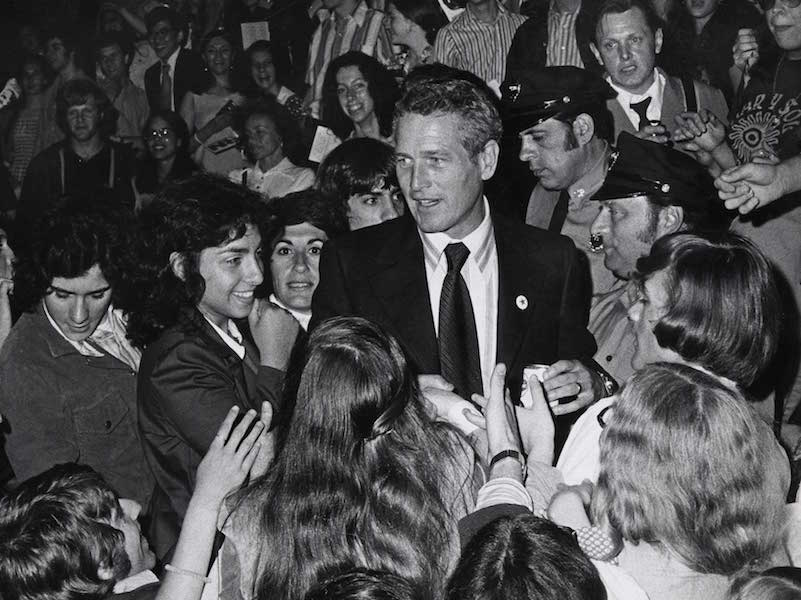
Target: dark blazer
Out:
[188,381]
[379,273]
[189,76]
[530,44]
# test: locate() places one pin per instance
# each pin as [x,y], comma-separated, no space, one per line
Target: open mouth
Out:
[244,296]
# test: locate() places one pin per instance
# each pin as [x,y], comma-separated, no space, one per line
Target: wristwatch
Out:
[503,454]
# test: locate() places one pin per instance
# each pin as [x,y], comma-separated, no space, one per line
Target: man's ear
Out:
[658,41]
[671,220]
[583,128]
[488,159]
[178,265]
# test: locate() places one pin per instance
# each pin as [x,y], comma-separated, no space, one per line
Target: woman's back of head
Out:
[362,478]
[687,463]
[779,583]
[524,558]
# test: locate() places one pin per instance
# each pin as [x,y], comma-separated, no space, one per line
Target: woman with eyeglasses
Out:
[166,159]
[359,96]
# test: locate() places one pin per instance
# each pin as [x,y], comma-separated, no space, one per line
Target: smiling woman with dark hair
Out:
[359,95]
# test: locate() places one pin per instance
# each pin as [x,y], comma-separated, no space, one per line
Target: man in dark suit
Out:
[460,287]
[179,70]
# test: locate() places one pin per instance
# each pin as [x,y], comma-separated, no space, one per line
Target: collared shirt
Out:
[470,44]
[133,107]
[362,30]
[282,179]
[109,335]
[655,92]
[581,213]
[480,272]
[232,337]
[562,49]
[613,331]
[302,318]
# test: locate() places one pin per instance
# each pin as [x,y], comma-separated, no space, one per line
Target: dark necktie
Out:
[165,93]
[559,213]
[641,108]
[458,340]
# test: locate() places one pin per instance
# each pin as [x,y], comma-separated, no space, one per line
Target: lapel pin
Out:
[522,302]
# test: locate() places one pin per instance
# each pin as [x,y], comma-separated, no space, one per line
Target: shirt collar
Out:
[172,60]
[232,337]
[553,11]
[279,166]
[302,318]
[82,347]
[654,91]
[359,14]
[480,242]
[591,181]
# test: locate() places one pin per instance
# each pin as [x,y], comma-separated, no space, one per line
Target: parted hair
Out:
[55,533]
[685,463]
[362,477]
[188,216]
[447,91]
[524,558]
[381,86]
[365,584]
[724,310]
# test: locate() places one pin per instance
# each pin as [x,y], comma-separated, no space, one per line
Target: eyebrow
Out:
[311,241]
[55,288]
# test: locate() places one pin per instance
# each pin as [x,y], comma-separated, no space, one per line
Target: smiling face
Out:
[262,69]
[376,206]
[218,55]
[162,143]
[112,62]
[627,48]
[295,265]
[354,94]
[785,25]
[262,137]
[57,55]
[629,228]
[231,272]
[164,39]
[551,152]
[442,183]
[78,304]
[136,546]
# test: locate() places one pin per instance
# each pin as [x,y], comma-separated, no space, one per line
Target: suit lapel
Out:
[515,287]
[400,285]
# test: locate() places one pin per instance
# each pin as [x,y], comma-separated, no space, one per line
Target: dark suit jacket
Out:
[189,76]
[379,273]
[188,381]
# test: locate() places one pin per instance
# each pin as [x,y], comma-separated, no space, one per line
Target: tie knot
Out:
[641,108]
[456,255]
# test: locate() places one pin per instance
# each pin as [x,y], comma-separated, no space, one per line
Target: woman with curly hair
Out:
[209,344]
[363,478]
[359,96]
[67,385]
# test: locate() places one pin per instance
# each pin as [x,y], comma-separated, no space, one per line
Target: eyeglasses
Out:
[769,4]
[158,133]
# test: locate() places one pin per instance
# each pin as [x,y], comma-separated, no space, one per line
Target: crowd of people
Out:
[401,299]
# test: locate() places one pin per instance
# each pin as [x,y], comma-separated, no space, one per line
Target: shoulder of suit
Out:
[375,236]
[515,230]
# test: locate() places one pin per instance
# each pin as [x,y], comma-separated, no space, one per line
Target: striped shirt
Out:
[362,30]
[562,50]
[469,44]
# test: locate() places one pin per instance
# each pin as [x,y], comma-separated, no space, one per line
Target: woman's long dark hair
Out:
[381,86]
[361,473]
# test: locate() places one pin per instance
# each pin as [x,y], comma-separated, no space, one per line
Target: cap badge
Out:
[514,90]
[521,302]
[665,188]
[566,99]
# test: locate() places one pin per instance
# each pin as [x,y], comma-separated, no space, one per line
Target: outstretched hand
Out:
[228,460]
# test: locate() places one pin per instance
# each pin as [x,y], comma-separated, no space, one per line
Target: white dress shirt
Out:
[480,273]
[171,61]
[232,337]
[655,92]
